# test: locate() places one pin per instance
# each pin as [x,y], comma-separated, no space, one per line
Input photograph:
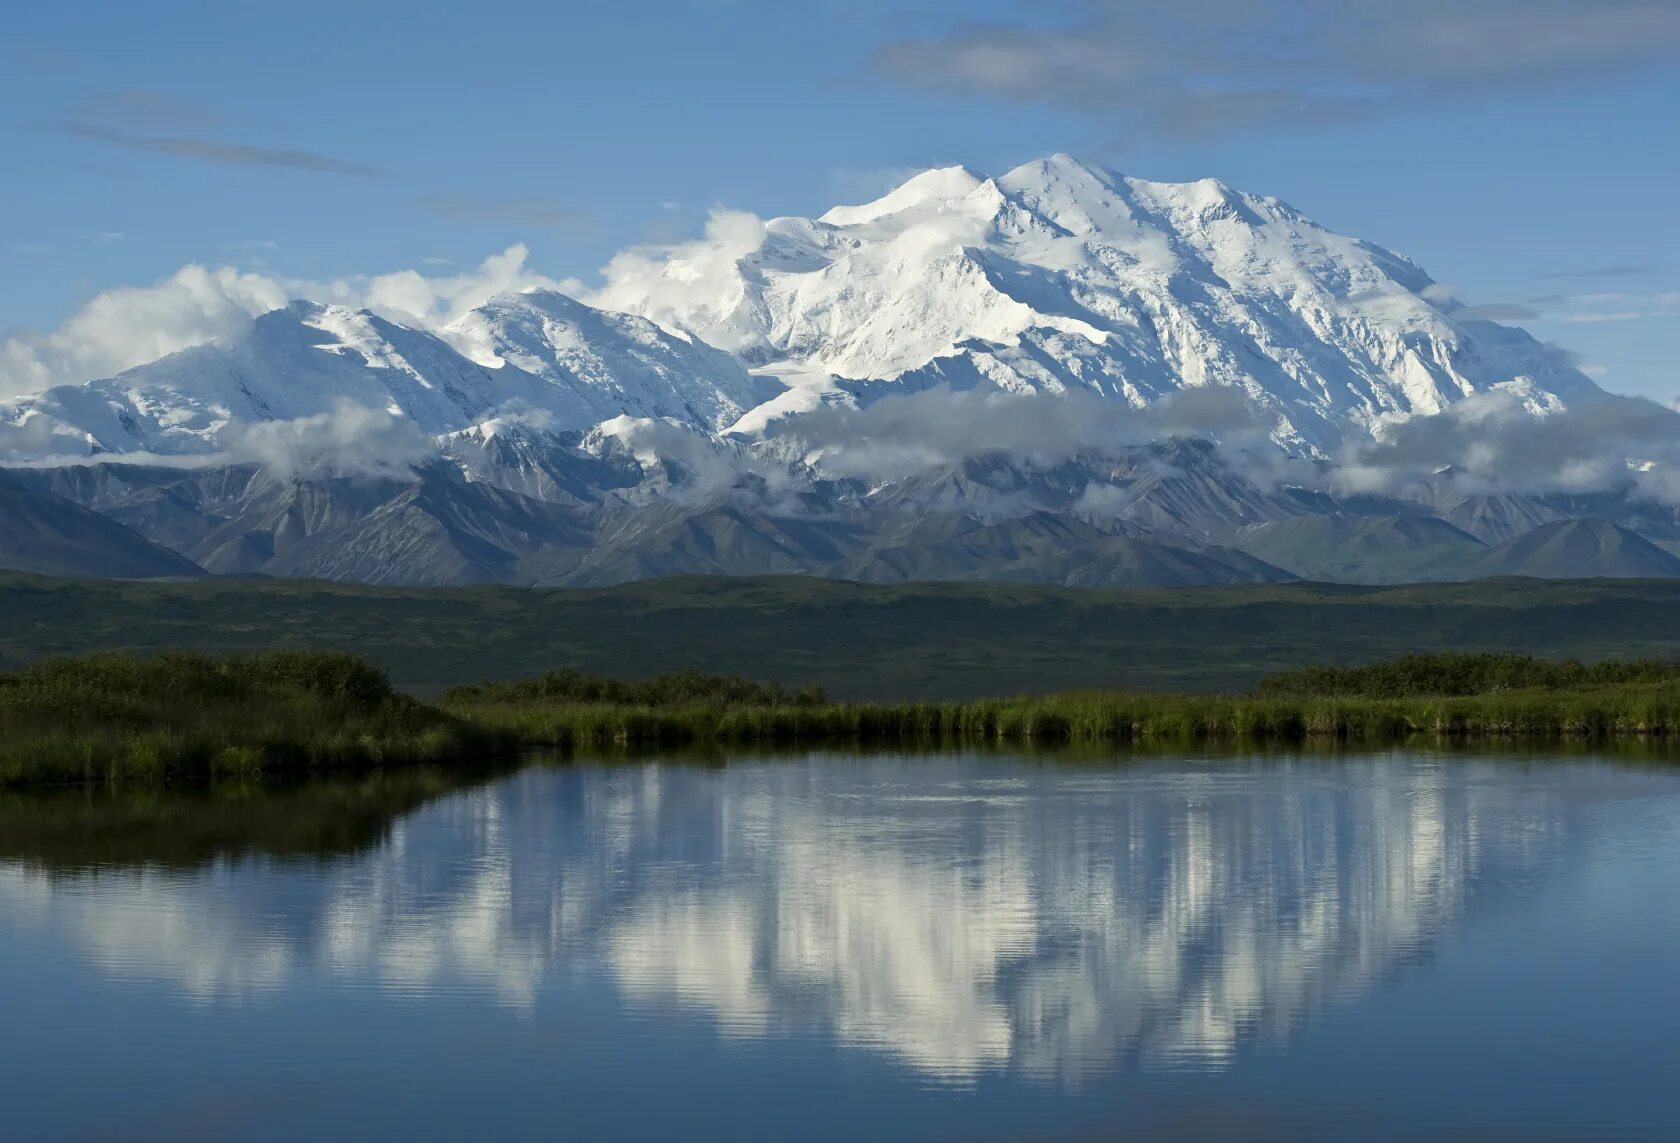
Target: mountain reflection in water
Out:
[957,915]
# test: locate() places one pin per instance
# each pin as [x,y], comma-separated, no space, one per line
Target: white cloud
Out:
[435,299]
[132,325]
[351,440]
[900,435]
[1496,444]
[692,285]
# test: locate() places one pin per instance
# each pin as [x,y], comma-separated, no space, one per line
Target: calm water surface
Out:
[830,946]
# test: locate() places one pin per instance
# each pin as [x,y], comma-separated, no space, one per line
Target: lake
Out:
[836,946]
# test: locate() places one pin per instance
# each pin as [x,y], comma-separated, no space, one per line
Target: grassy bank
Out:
[1449,695]
[1652,710]
[146,720]
[128,718]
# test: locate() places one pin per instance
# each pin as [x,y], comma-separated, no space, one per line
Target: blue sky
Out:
[1526,151]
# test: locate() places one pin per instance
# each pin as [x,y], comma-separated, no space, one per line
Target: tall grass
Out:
[129,718]
[124,719]
[1652,709]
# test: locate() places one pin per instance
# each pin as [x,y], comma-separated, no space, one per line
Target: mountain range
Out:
[831,396]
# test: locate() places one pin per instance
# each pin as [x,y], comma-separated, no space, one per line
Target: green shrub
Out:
[153,719]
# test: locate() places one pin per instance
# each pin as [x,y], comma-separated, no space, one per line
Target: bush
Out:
[153,719]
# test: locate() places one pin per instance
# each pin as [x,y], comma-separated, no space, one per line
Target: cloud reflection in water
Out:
[958,916]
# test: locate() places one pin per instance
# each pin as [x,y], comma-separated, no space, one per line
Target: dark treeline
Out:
[1453,674]
[674,688]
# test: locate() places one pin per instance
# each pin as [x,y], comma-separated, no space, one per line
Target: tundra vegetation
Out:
[180,715]
[136,719]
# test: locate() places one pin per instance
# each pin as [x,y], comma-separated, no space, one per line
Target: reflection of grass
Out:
[117,717]
[80,827]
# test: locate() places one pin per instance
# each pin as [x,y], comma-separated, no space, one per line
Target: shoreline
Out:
[295,714]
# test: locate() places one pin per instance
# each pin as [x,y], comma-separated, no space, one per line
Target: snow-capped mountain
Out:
[1057,277]
[1063,276]
[718,407]
[541,355]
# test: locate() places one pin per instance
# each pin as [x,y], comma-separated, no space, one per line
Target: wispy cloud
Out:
[1585,308]
[1607,307]
[534,211]
[1200,67]
[1497,311]
[1608,316]
[1638,270]
[144,109]
[213,151]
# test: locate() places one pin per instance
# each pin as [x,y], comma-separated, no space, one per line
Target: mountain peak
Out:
[939,186]
[1063,275]
[1060,167]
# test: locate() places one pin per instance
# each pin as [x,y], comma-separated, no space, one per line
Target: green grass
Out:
[1122,718]
[178,715]
[122,719]
[1452,695]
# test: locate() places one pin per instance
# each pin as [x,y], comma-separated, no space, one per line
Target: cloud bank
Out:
[1491,442]
[901,435]
[351,440]
[1492,445]
[131,325]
